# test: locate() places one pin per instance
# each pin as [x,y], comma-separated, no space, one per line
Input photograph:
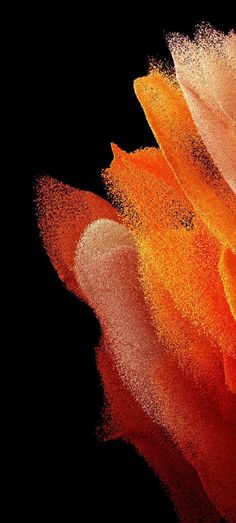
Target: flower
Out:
[159,270]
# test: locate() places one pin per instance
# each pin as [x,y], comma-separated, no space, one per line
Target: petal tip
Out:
[117,152]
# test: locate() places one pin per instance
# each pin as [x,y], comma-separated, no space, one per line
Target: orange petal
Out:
[63,214]
[146,190]
[173,240]
[227,267]
[172,124]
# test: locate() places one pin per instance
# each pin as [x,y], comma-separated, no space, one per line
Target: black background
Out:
[74,73]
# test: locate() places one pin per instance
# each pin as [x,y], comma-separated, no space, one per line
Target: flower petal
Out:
[206,72]
[173,242]
[63,213]
[109,277]
[171,122]
[124,418]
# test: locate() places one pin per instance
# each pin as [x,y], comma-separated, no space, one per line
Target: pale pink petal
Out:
[206,72]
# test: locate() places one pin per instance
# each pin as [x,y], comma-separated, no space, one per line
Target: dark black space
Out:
[74,73]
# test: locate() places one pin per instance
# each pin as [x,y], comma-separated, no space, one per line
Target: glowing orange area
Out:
[158,267]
